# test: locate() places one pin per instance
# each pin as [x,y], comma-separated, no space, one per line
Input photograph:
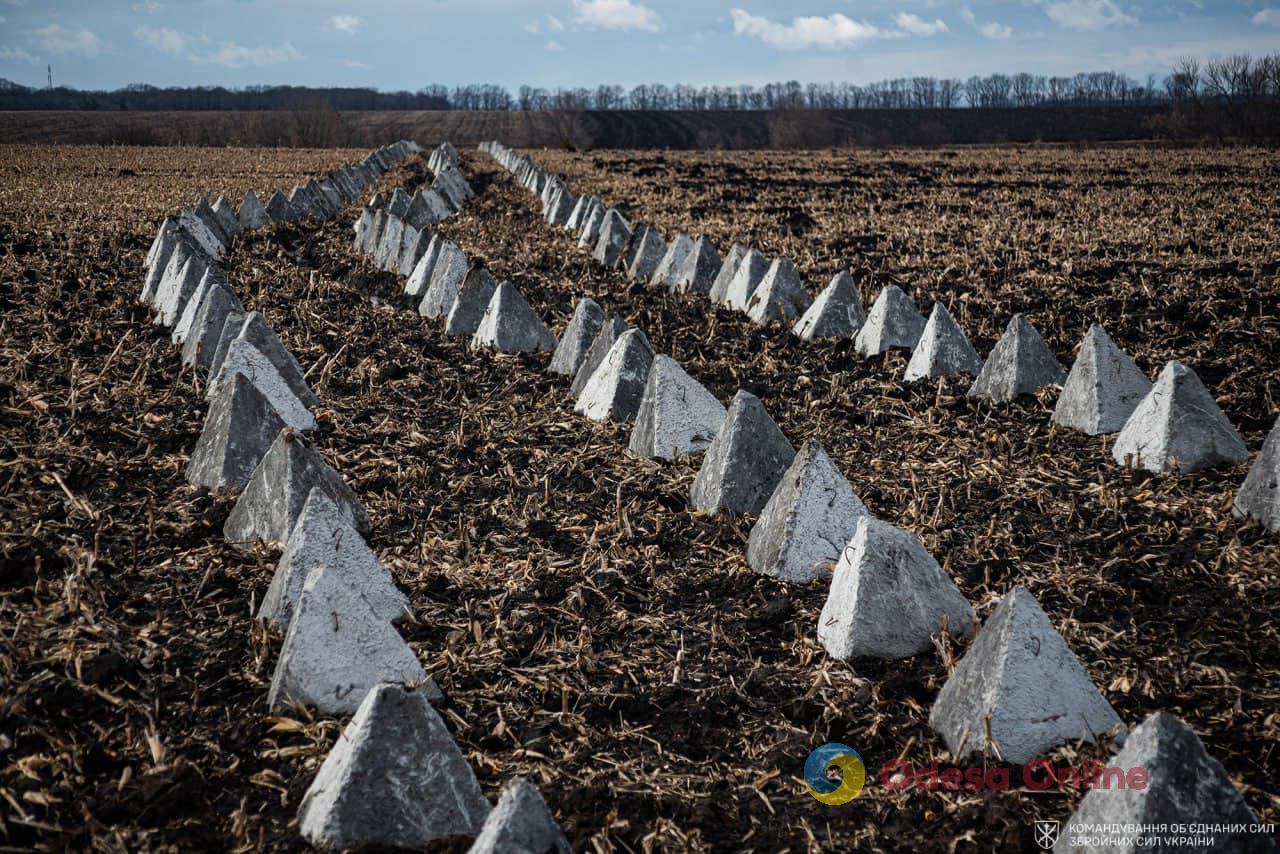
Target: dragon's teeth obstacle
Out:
[667,274]
[943,349]
[836,313]
[699,269]
[613,391]
[1020,363]
[1178,425]
[807,521]
[780,296]
[746,278]
[520,822]
[609,333]
[1259,496]
[238,430]
[892,324]
[510,325]
[1103,388]
[470,304]
[889,597]
[575,341]
[1019,691]
[677,414]
[724,276]
[744,462]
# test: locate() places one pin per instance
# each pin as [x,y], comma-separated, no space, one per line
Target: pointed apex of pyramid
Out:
[591,225]
[667,273]
[1259,496]
[746,278]
[240,427]
[615,233]
[889,597]
[781,295]
[252,214]
[677,414]
[744,462]
[244,359]
[836,313]
[174,292]
[226,214]
[1103,388]
[1178,425]
[272,499]
[1020,683]
[471,302]
[420,277]
[510,325]
[521,822]
[1019,364]
[698,272]
[338,648]
[575,341]
[613,391]
[892,324]
[447,274]
[279,209]
[809,518]
[353,803]
[645,253]
[1185,786]
[943,349]
[324,537]
[206,328]
[724,276]
[609,333]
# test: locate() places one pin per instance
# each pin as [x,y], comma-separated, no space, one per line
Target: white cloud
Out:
[346,23]
[353,63]
[59,40]
[991,29]
[554,23]
[554,47]
[615,15]
[164,39]
[232,55]
[917,26]
[1087,14]
[15,54]
[532,28]
[1267,18]
[833,31]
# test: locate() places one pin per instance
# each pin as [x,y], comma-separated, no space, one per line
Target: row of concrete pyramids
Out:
[332,597]
[1174,425]
[1019,691]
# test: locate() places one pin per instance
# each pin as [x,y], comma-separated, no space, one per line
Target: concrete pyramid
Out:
[420,278]
[677,414]
[301,203]
[387,255]
[646,254]
[1259,495]
[279,209]
[471,302]
[1185,786]
[579,213]
[175,293]
[230,329]
[780,296]
[562,204]
[576,339]
[395,779]
[206,328]
[259,333]
[1021,684]
[338,648]
[836,313]
[323,537]
[408,237]
[373,234]
[252,214]
[245,359]
[746,278]
[615,234]
[613,392]
[724,276]
[510,325]
[600,346]
[446,280]
[227,216]
[521,823]
[238,430]
[1019,364]
[272,499]
[892,323]
[698,272]
[167,243]
[888,597]
[1178,425]
[167,227]
[808,520]
[1103,388]
[591,226]
[667,273]
[414,251]
[212,240]
[943,349]
[212,278]
[744,462]
[398,206]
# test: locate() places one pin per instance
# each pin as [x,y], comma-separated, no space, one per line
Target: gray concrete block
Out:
[615,233]
[613,392]
[561,208]
[201,344]
[356,802]
[667,273]
[1259,495]
[646,254]
[807,521]
[471,303]
[226,214]
[167,227]
[608,334]
[168,243]
[578,216]
[889,597]
[677,414]
[279,209]
[575,341]
[447,275]
[746,278]
[1103,388]
[175,292]
[943,349]
[398,206]
[259,333]
[248,361]
[836,313]
[1021,686]
[698,272]
[240,426]
[387,255]
[893,323]
[520,823]
[251,214]
[744,462]
[724,276]
[187,315]
[1178,427]
[591,226]
[510,325]
[1019,364]
[420,278]
[780,297]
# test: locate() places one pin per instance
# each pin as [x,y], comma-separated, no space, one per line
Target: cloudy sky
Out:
[406,44]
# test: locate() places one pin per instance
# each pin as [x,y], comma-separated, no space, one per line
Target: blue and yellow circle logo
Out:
[853,774]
